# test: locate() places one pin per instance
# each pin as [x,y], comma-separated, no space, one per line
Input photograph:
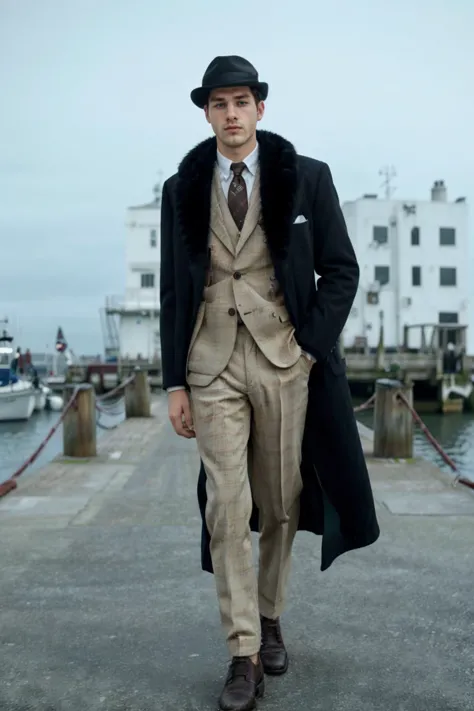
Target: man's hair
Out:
[256,95]
[254,91]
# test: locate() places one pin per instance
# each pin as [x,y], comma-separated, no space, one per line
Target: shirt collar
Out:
[251,163]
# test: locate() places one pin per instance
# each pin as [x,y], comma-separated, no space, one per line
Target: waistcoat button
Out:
[231,312]
[237,275]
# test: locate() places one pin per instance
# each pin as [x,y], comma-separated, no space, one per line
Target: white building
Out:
[131,322]
[413,258]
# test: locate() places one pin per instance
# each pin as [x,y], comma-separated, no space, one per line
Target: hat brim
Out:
[200,95]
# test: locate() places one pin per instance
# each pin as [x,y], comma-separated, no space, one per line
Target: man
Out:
[246,223]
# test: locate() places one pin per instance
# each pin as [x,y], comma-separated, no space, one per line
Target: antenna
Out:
[157,188]
[388,172]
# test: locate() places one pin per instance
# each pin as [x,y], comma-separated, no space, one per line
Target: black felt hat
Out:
[225,72]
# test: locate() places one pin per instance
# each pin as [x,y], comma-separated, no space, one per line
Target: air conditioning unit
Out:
[372,298]
[406,302]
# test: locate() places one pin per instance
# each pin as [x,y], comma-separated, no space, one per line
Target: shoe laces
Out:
[271,631]
[238,667]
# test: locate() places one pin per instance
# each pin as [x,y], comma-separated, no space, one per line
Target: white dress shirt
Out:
[248,173]
[226,176]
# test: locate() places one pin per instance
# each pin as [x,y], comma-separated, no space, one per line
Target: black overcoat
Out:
[336,500]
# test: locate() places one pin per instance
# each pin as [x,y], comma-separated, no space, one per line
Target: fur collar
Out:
[278,183]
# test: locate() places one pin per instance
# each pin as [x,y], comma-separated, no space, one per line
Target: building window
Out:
[447,236]
[447,276]
[382,275]
[148,281]
[415,237]
[448,317]
[448,335]
[380,235]
[416,276]
[153,238]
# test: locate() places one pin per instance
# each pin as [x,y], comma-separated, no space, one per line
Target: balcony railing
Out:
[134,300]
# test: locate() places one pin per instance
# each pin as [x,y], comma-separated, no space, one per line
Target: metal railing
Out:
[133,300]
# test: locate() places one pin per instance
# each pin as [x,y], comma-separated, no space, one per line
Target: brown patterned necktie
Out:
[237,198]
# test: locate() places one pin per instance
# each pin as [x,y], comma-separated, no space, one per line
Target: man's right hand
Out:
[179,412]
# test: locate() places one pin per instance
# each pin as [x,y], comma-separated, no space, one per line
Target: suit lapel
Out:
[252,217]
[222,223]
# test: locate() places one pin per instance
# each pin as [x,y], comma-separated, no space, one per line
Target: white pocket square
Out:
[300,219]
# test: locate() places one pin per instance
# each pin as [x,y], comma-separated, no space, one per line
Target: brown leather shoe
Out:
[244,684]
[272,651]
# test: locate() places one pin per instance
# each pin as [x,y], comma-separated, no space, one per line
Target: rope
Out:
[433,441]
[463,480]
[116,390]
[459,479]
[112,411]
[106,427]
[11,484]
[115,408]
[427,433]
[366,405]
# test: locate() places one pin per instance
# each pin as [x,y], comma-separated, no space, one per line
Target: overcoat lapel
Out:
[278,186]
[278,189]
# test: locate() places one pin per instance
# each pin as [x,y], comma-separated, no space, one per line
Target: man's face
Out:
[233,114]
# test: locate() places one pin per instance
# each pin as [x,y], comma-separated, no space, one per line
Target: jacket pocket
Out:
[279,312]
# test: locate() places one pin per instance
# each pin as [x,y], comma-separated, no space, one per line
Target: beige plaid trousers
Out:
[249,424]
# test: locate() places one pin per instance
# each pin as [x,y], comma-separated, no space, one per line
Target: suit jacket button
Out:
[231,312]
[237,275]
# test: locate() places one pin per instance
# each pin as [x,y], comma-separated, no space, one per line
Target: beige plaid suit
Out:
[248,383]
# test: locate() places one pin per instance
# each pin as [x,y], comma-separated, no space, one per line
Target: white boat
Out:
[17,397]
[17,401]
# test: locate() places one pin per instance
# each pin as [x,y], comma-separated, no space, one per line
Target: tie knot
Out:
[237,169]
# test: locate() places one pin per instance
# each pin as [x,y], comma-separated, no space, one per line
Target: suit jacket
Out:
[336,500]
[256,298]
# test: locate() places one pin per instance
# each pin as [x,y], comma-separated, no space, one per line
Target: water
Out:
[18,440]
[454,432]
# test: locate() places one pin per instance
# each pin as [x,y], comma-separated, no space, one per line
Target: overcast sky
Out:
[95,101]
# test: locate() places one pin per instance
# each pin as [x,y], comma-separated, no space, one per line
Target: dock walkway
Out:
[104,606]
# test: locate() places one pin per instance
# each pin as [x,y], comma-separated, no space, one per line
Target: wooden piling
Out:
[393,423]
[137,396]
[79,425]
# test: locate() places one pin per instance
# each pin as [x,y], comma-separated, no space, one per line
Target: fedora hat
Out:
[225,72]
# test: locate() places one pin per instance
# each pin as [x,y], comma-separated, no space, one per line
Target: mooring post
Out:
[393,423]
[137,395]
[79,425]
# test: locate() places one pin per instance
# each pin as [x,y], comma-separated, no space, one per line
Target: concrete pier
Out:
[104,606]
